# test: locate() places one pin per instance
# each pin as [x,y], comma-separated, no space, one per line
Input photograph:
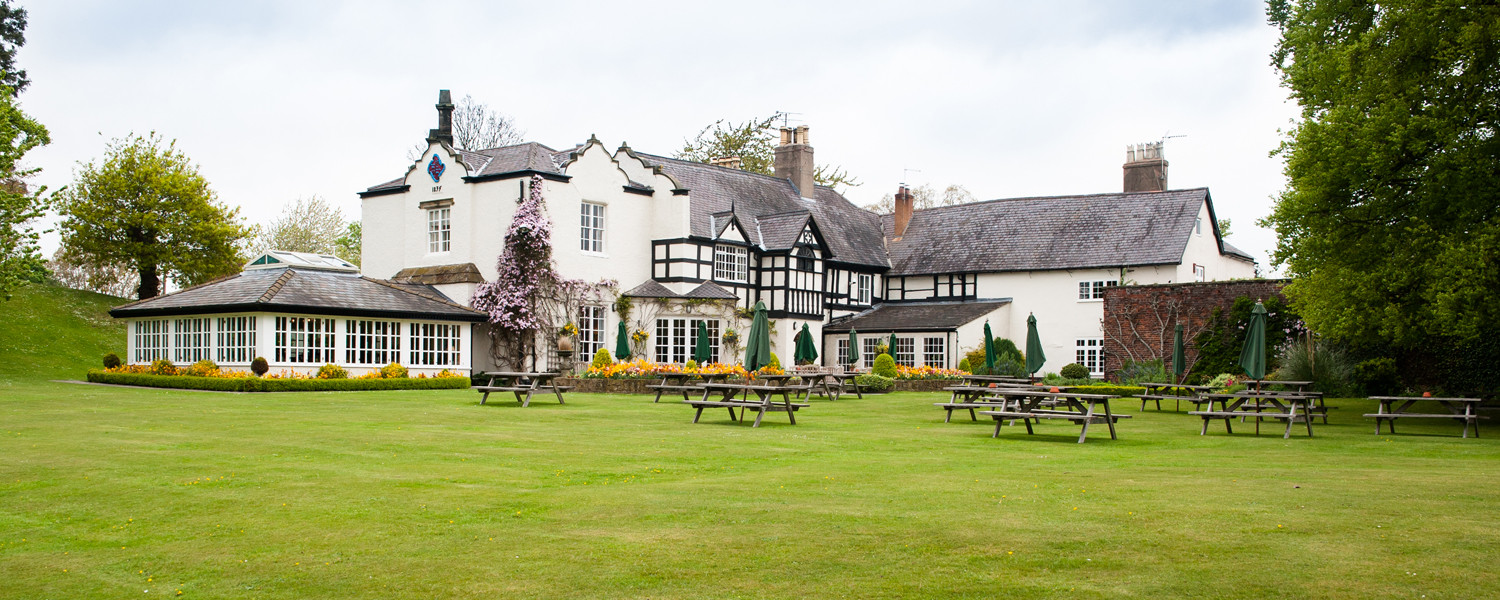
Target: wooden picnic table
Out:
[520,383]
[972,379]
[1395,407]
[977,397]
[824,380]
[676,381]
[1169,391]
[763,387]
[1260,384]
[1253,406]
[1032,405]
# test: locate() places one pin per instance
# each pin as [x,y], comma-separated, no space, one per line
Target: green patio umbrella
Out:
[701,352]
[758,342]
[1179,355]
[622,343]
[806,350]
[797,348]
[853,354]
[1253,355]
[989,349]
[891,346]
[1034,355]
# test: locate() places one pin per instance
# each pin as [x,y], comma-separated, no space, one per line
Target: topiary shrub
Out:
[162,366]
[259,366]
[691,365]
[1004,348]
[884,366]
[963,365]
[874,383]
[602,359]
[332,371]
[775,362]
[111,360]
[1008,366]
[1074,371]
[393,371]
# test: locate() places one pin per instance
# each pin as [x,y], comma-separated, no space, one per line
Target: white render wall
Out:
[265,344]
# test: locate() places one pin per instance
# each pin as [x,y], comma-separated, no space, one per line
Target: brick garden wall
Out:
[1139,319]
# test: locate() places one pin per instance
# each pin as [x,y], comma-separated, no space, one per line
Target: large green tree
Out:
[753,142]
[20,254]
[146,206]
[1390,222]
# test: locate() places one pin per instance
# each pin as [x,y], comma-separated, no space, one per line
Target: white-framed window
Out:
[374,343]
[192,340]
[1094,290]
[905,351]
[439,231]
[235,337]
[590,331]
[676,338]
[591,228]
[305,340]
[1198,225]
[870,344]
[152,340]
[1200,273]
[843,351]
[1089,355]
[935,352]
[864,285]
[435,345]
[731,263]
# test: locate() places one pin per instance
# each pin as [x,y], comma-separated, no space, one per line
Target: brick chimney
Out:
[1145,168]
[444,131]
[905,203]
[794,159]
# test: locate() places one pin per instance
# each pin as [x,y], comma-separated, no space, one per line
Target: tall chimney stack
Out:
[794,159]
[1145,168]
[905,203]
[444,131]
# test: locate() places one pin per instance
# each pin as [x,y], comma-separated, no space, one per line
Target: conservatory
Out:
[300,311]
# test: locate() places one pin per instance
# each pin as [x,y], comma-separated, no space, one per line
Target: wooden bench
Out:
[746,406]
[1026,416]
[662,388]
[969,406]
[1253,408]
[1459,409]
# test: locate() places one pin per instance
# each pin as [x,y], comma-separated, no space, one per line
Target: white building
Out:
[678,235]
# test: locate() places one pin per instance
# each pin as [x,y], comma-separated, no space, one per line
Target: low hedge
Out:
[254,384]
[1108,390]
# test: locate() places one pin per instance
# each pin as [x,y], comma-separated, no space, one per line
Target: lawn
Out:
[114,492]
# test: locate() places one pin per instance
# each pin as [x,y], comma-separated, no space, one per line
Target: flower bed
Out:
[191,378]
[904,373]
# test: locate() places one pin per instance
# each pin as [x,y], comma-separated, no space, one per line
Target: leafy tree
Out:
[924,196]
[146,206]
[12,37]
[73,271]
[1390,222]
[305,225]
[754,143]
[20,254]
[351,244]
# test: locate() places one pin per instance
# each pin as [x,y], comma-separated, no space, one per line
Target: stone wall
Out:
[1139,319]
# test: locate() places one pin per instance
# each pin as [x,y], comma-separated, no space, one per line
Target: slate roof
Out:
[529,156]
[650,289]
[1051,233]
[915,316]
[853,234]
[711,291]
[292,290]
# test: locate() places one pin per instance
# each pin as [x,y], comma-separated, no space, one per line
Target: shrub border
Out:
[255,384]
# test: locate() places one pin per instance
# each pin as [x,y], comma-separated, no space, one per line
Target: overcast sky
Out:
[276,100]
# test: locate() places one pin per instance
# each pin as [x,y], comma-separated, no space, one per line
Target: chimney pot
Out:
[1145,168]
[905,205]
[794,160]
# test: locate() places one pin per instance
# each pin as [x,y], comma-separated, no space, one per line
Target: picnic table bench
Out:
[1028,406]
[1459,409]
[765,389]
[974,397]
[1250,405]
[520,383]
[1172,391]
[672,381]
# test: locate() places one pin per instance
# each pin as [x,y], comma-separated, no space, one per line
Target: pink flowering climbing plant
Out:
[524,269]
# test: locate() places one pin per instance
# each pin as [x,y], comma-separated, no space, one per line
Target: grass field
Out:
[115,492]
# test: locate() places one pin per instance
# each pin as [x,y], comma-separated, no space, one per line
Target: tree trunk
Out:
[150,283]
